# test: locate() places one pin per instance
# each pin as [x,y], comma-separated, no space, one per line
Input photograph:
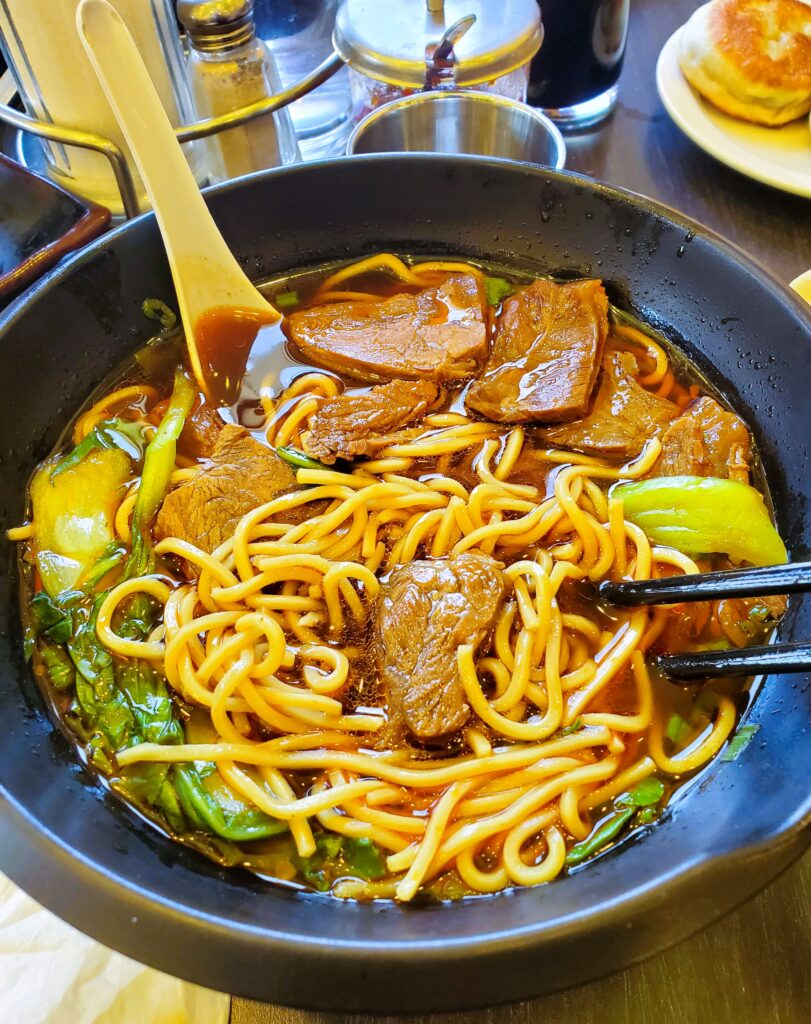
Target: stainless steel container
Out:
[460,122]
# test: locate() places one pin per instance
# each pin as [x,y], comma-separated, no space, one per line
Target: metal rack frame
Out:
[186,133]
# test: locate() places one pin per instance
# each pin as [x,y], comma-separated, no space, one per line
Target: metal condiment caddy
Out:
[432,47]
[187,133]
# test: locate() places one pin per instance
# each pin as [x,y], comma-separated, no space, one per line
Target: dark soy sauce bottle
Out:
[574,75]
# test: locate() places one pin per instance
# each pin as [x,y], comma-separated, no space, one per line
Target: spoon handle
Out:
[205,272]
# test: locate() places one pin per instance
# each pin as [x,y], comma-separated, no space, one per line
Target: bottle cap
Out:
[217,24]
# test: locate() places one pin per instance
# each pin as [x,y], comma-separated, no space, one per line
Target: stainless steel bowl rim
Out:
[443,96]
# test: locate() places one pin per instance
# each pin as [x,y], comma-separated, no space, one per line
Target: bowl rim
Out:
[477,97]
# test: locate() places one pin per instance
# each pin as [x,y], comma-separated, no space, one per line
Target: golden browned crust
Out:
[751,58]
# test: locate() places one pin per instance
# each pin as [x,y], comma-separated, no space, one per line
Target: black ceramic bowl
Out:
[90,859]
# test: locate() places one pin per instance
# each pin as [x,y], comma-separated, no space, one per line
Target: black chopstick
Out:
[771,579]
[748,661]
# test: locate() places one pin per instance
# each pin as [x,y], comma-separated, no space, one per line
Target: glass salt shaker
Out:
[230,68]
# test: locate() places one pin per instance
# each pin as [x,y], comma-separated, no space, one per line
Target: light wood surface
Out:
[753,967]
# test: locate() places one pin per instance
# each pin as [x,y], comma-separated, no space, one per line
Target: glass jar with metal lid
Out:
[396,47]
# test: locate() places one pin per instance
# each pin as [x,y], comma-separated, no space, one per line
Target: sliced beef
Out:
[200,431]
[546,354]
[436,334]
[348,425]
[425,611]
[240,475]
[623,417]
[706,440]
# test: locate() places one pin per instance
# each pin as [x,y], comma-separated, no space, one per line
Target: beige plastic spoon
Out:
[221,310]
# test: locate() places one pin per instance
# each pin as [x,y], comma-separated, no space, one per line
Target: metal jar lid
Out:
[390,39]
[217,24]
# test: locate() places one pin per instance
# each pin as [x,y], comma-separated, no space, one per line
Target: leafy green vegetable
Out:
[649,792]
[703,515]
[609,830]
[345,856]
[740,741]
[157,310]
[74,515]
[498,288]
[285,300]
[129,437]
[49,618]
[118,703]
[329,845]
[363,858]
[149,702]
[113,555]
[639,804]
[677,728]
[99,704]
[204,811]
[149,784]
[159,463]
[58,665]
[576,726]
[297,458]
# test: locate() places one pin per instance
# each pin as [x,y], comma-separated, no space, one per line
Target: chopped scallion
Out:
[740,742]
[285,300]
[298,458]
[155,309]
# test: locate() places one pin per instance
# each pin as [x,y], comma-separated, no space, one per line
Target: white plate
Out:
[780,157]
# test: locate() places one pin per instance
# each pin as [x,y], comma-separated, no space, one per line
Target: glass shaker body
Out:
[299,33]
[369,93]
[223,81]
[58,85]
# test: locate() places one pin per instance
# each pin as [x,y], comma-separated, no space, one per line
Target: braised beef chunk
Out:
[425,611]
[240,475]
[348,425]
[546,354]
[623,417]
[200,433]
[436,334]
[705,440]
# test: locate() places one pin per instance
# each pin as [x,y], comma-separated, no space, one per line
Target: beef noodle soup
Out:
[346,632]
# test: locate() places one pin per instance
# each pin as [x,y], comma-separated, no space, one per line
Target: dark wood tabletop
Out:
[754,966]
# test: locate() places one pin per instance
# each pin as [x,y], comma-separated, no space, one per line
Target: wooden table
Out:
[753,967]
